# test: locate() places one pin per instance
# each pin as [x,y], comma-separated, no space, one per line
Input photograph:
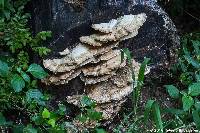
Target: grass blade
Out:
[142,69]
[153,107]
[148,110]
[157,117]
[140,81]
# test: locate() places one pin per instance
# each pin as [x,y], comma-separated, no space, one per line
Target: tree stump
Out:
[70,19]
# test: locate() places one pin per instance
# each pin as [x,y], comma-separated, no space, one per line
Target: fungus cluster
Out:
[98,62]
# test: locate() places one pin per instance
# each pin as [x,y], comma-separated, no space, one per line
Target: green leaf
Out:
[197,76]
[187,102]
[175,111]
[86,101]
[34,83]
[52,122]
[2,119]
[82,118]
[196,45]
[29,129]
[197,104]
[192,61]
[157,117]
[147,111]
[173,91]
[194,89]
[4,69]
[42,51]
[94,115]
[128,54]
[182,65]
[45,113]
[37,71]
[17,83]
[122,56]
[62,109]
[43,35]
[100,130]
[2,4]
[153,108]
[36,95]
[18,128]
[37,119]
[25,77]
[142,69]
[196,118]
[139,83]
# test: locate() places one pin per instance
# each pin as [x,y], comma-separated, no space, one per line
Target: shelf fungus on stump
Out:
[98,61]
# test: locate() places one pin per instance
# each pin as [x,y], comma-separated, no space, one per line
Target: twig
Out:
[192,15]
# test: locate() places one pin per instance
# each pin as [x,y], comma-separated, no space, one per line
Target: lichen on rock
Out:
[99,63]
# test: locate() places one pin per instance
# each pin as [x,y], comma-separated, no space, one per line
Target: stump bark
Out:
[70,19]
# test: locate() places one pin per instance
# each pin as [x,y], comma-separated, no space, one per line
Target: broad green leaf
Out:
[81,118]
[196,118]
[86,101]
[188,57]
[36,95]
[94,115]
[197,76]
[17,83]
[194,89]
[173,91]
[52,122]
[62,109]
[186,78]
[192,61]
[44,34]
[182,65]
[4,69]
[187,102]
[42,51]
[45,113]
[37,71]
[38,120]
[197,104]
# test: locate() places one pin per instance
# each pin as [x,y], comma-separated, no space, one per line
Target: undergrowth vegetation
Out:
[24,106]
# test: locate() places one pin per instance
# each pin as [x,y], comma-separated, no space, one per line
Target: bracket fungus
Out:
[97,60]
